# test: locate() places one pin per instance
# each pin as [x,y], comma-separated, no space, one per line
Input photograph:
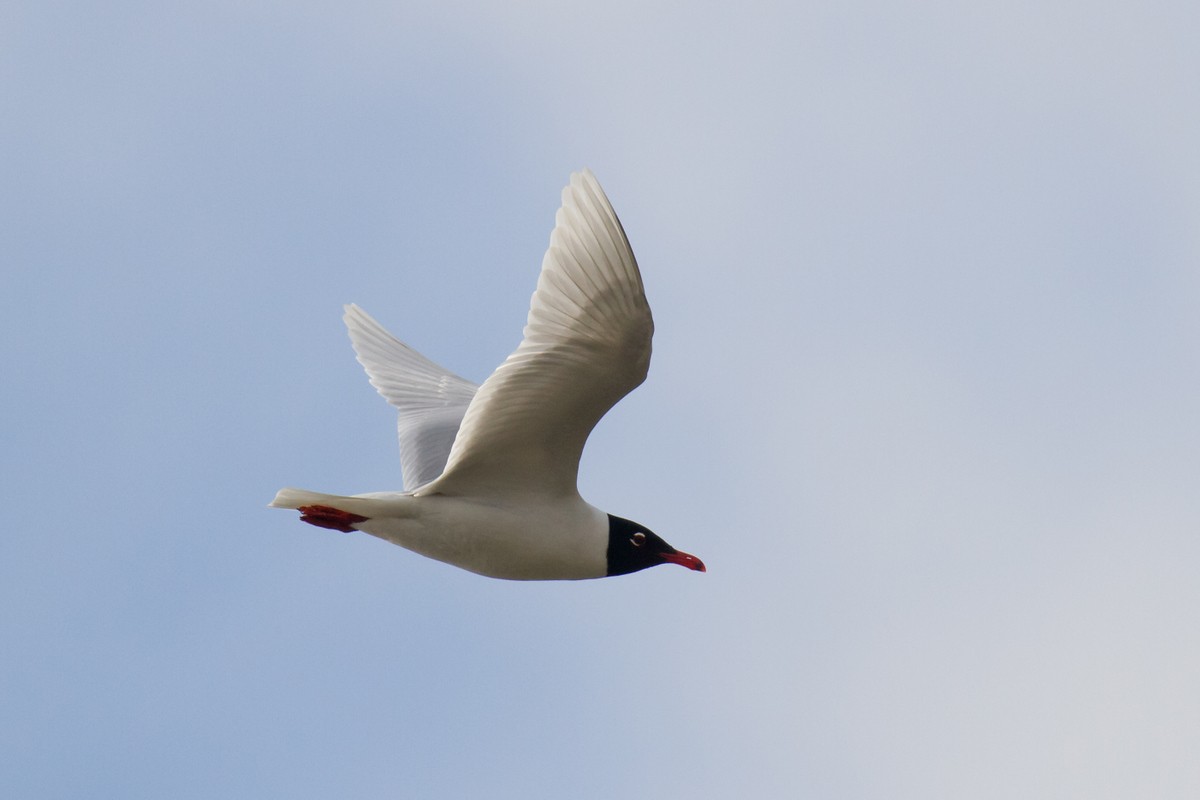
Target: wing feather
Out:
[429,399]
[586,345]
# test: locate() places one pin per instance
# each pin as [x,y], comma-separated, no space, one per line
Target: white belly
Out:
[538,540]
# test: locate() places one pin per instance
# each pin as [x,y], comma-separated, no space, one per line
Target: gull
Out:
[490,471]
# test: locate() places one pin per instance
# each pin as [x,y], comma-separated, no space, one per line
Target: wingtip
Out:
[584,175]
[582,189]
[354,318]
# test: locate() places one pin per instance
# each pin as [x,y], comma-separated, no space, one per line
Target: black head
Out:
[632,547]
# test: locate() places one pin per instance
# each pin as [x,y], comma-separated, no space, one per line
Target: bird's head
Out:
[632,547]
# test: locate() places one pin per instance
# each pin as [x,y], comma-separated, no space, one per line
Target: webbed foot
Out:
[332,518]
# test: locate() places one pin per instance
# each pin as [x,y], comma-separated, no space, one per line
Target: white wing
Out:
[587,345]
[430,400]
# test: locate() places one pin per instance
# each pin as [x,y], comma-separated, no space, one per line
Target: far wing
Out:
[586,345]
[431,400]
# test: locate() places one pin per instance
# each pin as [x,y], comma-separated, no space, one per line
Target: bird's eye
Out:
[638,539]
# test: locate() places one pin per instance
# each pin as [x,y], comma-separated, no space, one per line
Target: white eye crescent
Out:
[638,539]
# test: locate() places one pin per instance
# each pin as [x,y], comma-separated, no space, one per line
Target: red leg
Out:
[332,518]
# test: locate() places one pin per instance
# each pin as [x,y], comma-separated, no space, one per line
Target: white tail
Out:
[295,498]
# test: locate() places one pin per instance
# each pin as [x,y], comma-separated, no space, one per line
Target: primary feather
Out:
[430,400]
[586,345]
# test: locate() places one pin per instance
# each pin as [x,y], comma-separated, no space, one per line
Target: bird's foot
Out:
[327,517]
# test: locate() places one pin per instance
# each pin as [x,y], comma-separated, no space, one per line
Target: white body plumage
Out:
[490,471]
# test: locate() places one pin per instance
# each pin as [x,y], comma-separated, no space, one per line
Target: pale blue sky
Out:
[926,280]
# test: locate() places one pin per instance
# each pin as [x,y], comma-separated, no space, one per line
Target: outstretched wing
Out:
[586,345]
[431,400]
